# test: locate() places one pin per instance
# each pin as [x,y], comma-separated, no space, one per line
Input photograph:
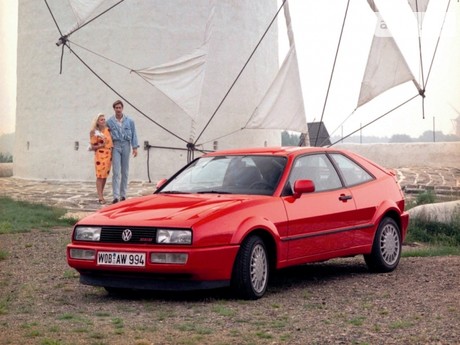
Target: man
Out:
[124,137]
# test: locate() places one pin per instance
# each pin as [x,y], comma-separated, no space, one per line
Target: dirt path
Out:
[337,302]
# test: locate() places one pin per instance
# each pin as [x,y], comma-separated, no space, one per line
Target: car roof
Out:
[289,151]
[278,151]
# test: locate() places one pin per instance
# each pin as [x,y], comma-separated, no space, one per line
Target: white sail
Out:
[386,66]
[282,106]
[418,5]
[419,8]
[181,80]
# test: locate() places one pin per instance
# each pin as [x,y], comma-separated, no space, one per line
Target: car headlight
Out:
[87,233]
[169,236]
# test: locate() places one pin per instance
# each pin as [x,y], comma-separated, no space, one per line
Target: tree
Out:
[400,138]
[289,139]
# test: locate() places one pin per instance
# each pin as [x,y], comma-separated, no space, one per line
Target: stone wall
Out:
[400,155]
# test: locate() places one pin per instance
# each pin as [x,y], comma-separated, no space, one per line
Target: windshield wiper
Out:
[212,192]
[174,192]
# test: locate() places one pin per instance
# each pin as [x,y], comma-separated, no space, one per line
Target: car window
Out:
[317,168]
[352,173]
[250,174]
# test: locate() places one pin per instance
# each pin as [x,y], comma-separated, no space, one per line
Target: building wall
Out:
[54,111]
[405,155]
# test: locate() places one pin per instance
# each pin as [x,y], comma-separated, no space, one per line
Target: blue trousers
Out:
[120,168]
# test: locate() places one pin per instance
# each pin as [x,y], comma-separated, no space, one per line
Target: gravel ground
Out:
[336,302]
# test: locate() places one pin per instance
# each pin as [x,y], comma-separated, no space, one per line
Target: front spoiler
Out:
[148,283]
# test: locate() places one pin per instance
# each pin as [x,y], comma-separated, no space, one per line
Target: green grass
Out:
[438,239]
[23,216]
[435,233]
[431,251]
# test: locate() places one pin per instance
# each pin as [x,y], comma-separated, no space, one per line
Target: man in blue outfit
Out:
[123,131]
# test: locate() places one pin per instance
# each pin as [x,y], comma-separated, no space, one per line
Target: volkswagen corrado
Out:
[231,218]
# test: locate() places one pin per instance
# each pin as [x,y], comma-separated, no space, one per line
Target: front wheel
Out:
[251,269]
[386,249]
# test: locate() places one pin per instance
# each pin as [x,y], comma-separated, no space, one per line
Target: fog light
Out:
[83,254]
[169,258]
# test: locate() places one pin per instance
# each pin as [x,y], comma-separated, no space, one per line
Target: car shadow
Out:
[315,274]
[281,281]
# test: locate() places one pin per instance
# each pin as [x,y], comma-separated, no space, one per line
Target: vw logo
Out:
[126,235]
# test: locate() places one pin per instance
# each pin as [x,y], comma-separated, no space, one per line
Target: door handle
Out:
[344,197]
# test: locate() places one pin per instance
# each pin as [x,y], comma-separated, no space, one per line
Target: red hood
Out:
[182,210]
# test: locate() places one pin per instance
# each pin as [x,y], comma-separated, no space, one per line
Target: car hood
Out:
[182,210]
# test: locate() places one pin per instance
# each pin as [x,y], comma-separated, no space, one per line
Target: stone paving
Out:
[81,196]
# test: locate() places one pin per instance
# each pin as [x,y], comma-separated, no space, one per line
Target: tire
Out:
[386,249]
[251,269]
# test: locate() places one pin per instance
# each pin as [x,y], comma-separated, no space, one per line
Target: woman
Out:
[101,144]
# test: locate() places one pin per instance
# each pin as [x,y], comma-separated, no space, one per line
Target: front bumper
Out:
[205,268]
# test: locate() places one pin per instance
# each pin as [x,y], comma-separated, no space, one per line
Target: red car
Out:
[229,218]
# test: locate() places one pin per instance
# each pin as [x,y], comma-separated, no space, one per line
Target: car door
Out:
[367,195]
[321,221]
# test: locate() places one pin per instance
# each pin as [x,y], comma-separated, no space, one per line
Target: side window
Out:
[317,168]
[352,173]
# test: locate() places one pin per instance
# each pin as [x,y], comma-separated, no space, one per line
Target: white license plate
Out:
[121,259]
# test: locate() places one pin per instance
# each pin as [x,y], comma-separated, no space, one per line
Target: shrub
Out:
[6,158]
[434,232]
[427,197]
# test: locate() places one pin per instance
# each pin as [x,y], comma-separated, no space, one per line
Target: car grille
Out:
[140,235]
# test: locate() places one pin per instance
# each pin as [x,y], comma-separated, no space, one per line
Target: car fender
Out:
[251,224]
[383,209]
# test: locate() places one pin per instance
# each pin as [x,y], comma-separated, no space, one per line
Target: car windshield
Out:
[256,174]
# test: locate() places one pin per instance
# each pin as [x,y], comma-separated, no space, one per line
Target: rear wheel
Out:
[251,269]
[386,249]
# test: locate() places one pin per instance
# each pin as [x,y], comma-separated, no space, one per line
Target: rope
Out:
[378,118]
[101,56]
[332,73]
[335,130]
[437,44]
[222,136]
[119,95]
[241,71]
[54,19]
[131,70]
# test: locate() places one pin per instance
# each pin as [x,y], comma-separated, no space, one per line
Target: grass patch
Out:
[431,251]
[442,238]
[3,255]
[47,341]
[223,310]
[22,216]
[435,233]
[3,306]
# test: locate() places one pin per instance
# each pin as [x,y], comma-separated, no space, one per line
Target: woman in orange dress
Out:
[101,144]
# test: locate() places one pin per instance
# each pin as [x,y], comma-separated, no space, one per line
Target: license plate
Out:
[121,259]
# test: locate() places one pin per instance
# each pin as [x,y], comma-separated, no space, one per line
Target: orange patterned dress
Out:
[103,155]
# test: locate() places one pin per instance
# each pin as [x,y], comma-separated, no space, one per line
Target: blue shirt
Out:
[124,131]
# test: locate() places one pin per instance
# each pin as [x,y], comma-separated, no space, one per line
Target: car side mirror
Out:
[161,183]
[303,186]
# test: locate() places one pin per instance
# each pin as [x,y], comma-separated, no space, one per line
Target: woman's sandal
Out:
[102,201]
